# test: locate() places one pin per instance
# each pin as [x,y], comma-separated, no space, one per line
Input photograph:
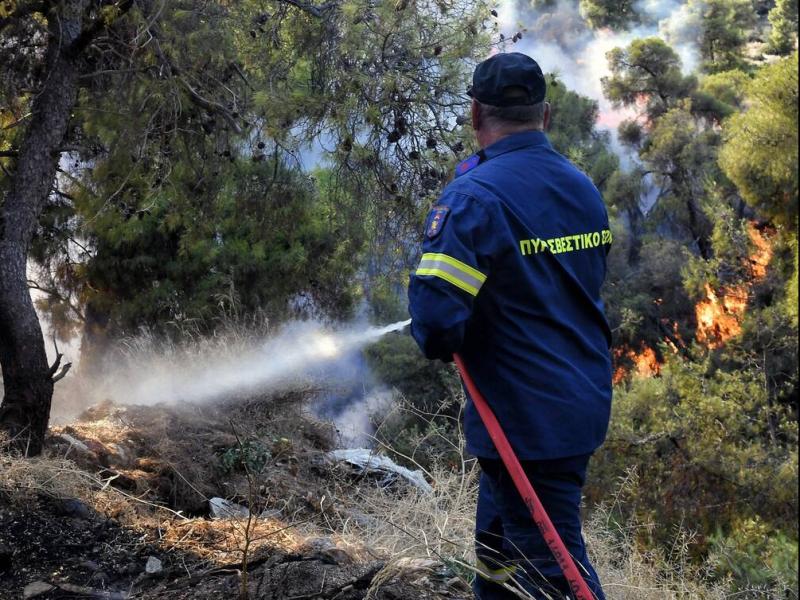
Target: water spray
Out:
[288,360]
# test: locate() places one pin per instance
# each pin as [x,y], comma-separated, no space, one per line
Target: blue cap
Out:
[494,76]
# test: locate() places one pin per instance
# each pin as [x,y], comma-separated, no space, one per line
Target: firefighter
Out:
[514,255]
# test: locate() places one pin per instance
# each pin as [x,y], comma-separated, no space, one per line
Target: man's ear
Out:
[477,117]
[546,117]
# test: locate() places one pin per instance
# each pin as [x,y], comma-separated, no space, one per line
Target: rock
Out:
[367,461]
[74,442]
[153,566]
[225,509]
[37,588]
[318,544]
[271,514]
[336,556]
[72,507]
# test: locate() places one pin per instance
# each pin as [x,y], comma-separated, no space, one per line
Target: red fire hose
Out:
[576,582]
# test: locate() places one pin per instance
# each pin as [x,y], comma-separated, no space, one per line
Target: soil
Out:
[159,466]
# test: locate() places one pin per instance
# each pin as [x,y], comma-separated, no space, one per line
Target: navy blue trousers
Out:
[508,544]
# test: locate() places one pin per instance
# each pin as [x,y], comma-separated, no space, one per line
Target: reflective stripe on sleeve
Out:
[451,270]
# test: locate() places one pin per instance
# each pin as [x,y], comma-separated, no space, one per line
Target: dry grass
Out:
[415,525]
[220,541]
[22,480]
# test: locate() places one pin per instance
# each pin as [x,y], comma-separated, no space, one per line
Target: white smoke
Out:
[301,354]
[355,423]
[561,42]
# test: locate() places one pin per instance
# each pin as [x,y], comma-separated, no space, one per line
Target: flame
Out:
[719,316]
[759,259]
[675,343]
[619,373]
[645,363]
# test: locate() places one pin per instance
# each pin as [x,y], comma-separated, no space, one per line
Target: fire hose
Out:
[576,582]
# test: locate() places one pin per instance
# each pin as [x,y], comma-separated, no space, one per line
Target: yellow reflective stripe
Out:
[500,575]
[450,279]
[451,270]
[454,262]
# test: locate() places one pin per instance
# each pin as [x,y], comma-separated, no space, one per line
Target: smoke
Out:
[560,40]
[354,414]
[148,370]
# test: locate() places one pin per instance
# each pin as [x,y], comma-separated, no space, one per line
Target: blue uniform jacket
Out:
[513,260]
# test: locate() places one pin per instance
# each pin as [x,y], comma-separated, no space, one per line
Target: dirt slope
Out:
[119,508]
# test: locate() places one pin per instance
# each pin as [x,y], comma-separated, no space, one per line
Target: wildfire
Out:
[719,316]
[645,363]
[762,254]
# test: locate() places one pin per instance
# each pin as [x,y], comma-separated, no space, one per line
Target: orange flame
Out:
[645,363]
[759,259]
[718,317]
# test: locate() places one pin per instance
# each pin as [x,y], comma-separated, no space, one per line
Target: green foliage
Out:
[186,178]
[783,18]
[616,14]
[724,24]
[729,264]
[720,94]
[386,301]
[648,70]
[756,556]
[425,427]
[791,301]
[397,361]
[682,158]
[726,86]
[644,296]
[254,230]
[759,153]
[572,132]
[631,133]
[709,438]
[248,457]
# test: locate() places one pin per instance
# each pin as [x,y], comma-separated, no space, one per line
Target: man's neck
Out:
[488,137]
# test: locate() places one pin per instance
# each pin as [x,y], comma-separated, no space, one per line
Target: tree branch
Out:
[87,35]
[209,105]
[62,373]
[316,11]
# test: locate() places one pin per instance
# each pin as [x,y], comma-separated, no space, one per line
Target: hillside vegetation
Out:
[178,180]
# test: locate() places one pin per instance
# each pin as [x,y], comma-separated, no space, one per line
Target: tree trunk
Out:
[27,378]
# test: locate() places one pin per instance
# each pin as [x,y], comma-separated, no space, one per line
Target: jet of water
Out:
[292,358]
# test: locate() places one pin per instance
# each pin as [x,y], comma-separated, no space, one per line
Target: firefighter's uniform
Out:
[514,256]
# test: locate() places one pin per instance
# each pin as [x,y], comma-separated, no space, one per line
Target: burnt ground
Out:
[150,472]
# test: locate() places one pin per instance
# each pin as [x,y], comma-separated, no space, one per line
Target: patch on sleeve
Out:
[436,220]
[468,164]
